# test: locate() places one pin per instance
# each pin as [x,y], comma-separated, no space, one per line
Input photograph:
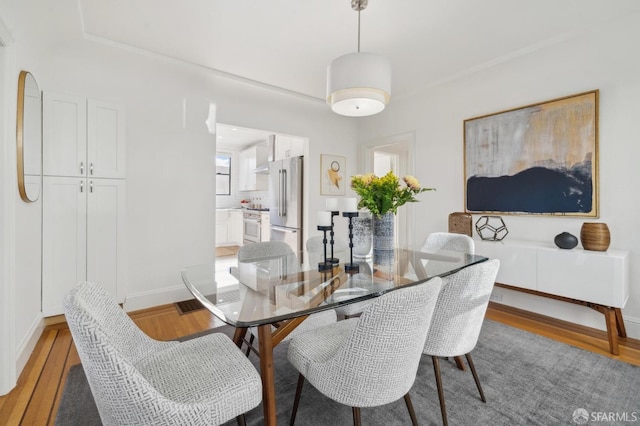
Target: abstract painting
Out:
[332,172]
[538,159]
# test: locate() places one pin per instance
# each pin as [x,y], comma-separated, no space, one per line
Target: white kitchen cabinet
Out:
[82,137]
[235,227]
[287,147]
[248,180]
[222,227]
[228,227]
[265,227]
[82,237]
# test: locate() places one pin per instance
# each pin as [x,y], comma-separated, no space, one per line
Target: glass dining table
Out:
[276,294]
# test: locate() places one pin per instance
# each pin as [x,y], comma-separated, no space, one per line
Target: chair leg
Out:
[240,420]
[412,413]
[296,400]
[475,377]
[443,408]
[356,416]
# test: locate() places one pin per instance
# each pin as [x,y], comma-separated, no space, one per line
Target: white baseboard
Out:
[149,299]
[28,343]
[632,326]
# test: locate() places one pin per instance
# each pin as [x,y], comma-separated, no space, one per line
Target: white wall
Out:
[607,59]
[170,154]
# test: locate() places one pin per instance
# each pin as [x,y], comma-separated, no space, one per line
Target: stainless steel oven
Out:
[251,227]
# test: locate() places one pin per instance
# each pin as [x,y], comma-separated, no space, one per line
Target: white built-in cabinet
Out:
[287,147]
[83,235]
[235,227]
[228,227]
[265,226]
[82,137]
[222,227]
[248,179]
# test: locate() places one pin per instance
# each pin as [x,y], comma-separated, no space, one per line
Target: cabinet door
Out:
[247,162]
[235,227]
[296,148]
[282,147]
[265,227]
[105,139]
[105,235]
[64,131]
[64,231]
[222,227]
[287,147]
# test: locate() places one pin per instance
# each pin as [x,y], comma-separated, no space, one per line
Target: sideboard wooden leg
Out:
[622,332]
[612,329]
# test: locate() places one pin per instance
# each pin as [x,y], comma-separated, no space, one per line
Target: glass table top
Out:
[285,287]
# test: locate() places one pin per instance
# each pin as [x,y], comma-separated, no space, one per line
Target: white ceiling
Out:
[288,44]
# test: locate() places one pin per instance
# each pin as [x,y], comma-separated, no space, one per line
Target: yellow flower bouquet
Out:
[381,195]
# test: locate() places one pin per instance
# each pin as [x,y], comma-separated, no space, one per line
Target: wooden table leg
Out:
[238,335]
[612,329]
[622,332]
[267,374]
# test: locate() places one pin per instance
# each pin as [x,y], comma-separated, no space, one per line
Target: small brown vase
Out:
[595,236]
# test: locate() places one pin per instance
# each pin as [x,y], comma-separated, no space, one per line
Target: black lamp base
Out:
[325,266]
[351,268]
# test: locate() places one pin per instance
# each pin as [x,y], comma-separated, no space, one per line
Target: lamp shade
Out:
[358,84]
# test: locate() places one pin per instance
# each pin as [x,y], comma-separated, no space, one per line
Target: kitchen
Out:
[245,192]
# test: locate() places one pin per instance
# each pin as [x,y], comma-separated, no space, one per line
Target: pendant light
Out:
[358,84]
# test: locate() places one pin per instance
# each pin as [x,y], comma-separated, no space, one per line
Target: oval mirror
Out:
[29,137]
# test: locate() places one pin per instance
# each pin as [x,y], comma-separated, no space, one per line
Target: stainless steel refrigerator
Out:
[285,201]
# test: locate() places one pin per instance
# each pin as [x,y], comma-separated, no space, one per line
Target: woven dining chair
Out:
[263,250]
[136,380]
[371,360]
[457,319]
[449,241]
[270,250]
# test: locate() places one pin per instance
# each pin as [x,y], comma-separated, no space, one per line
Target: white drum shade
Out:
[358,84]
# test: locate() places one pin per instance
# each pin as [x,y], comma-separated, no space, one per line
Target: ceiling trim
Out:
[217,72]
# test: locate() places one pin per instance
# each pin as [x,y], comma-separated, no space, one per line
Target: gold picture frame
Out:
[537,159]
[333,175]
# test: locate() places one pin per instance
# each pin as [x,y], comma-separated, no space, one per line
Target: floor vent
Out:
[187,306]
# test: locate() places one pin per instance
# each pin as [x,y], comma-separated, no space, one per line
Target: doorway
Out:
[395,154]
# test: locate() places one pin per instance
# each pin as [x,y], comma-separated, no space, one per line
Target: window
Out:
[223,174]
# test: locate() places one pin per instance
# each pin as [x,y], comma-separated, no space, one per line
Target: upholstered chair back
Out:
[263,250]
[449,241]
[460,310]
[377,362]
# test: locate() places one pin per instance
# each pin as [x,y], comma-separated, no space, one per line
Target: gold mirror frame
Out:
[29,137]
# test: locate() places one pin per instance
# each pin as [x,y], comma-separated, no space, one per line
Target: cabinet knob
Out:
[81,167]
[81,186]
[91,186]
[91,169]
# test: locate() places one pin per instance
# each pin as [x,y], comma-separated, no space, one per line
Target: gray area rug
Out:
[527,380]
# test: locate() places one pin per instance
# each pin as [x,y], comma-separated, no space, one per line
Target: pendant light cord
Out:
[358,31]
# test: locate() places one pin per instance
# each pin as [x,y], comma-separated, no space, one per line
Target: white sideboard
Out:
[596,279]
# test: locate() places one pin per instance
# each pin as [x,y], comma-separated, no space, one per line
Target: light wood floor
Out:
[35,399]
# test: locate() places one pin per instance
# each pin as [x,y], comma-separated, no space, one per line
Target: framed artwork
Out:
[537,159]
[332,175]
